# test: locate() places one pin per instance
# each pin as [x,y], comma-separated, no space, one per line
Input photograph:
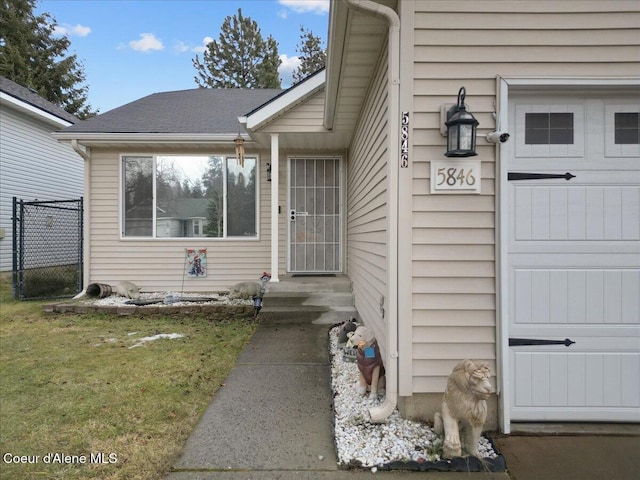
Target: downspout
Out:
[86,249]
[380,413]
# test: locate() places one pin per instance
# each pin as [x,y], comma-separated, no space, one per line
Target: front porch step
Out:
[312,299]
[317,315]
[311,284]
[294,299]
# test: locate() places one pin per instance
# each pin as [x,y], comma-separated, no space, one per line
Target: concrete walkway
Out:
[272,419]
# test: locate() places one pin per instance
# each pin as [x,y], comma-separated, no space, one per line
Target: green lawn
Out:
[71,385]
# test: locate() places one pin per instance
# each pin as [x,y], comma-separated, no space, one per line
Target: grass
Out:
[70,384]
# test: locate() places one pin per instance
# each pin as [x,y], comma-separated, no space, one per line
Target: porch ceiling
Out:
[356,40]
[355,43]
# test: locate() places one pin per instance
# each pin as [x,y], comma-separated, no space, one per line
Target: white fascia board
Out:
[33,111]
[87,137]
[338,16]
[287,100]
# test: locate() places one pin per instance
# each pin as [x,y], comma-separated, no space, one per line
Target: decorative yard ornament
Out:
[257,299]
[346,328]
[461,129]
[369,361]
[464,408]
[128,289]
[240,150]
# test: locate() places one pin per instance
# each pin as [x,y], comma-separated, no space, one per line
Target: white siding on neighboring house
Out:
[33,165]
[367,222]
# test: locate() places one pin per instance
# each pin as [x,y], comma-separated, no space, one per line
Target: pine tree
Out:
[33,56]
[240,58]
[312,55]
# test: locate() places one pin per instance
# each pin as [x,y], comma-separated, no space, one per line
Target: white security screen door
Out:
[315,220]
[574,258]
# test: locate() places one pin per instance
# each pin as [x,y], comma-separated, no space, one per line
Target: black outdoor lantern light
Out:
[461,129]
[268,172]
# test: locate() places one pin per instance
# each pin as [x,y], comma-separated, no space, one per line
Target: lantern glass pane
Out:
[466,137]
[452,138]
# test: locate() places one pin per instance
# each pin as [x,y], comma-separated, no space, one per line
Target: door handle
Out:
[293,214]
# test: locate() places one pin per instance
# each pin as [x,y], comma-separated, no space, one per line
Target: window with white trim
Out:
[549,131]
[176,196]
[622,130]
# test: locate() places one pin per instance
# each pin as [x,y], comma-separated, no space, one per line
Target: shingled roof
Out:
[31,97]
[200,110]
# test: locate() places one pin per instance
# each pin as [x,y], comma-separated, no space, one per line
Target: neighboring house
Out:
[33,165]
[450,258]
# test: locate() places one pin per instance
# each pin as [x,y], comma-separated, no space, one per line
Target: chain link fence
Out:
[47,248]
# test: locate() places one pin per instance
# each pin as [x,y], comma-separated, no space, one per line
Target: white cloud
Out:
[288,65]
[181,47]
[147,42]
[200,49]
[69,30]
[304,6]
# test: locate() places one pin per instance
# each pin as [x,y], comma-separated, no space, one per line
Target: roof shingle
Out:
[34,99]
[200,110]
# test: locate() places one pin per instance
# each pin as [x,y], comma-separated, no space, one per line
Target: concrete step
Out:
[317,315]
[293,299]
[323,300]
[311,284]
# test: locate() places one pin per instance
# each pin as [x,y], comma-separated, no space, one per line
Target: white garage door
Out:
[574,257]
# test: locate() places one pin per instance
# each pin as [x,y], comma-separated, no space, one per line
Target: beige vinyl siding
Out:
[471,43]
[367,224]
[305,117]
[159,264]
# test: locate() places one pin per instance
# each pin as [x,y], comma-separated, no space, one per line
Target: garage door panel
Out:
[546,259]
[575,380]
[570,213]
[575,296]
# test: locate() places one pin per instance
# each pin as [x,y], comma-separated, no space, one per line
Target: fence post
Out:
[81,246]
[14,253]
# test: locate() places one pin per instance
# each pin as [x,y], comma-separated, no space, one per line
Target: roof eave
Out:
[338,16]
[116,138]
[295,95]
[33,111]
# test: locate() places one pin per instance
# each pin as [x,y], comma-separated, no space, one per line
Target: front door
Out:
[315,219]
[574,258]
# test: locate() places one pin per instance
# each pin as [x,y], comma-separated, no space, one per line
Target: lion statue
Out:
[464,408]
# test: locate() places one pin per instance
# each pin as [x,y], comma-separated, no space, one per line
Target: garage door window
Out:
[627,128]
[549,131]
[622,131]
[548,128]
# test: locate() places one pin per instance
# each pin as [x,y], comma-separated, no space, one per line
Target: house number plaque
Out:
[455,176]
[404,141]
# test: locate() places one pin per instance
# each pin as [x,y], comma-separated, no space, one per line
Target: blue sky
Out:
[133,48]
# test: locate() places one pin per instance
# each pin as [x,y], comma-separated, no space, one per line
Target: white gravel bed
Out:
[360,442]
[169,299]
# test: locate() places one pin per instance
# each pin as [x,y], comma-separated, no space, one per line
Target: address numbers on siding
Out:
[455,176]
